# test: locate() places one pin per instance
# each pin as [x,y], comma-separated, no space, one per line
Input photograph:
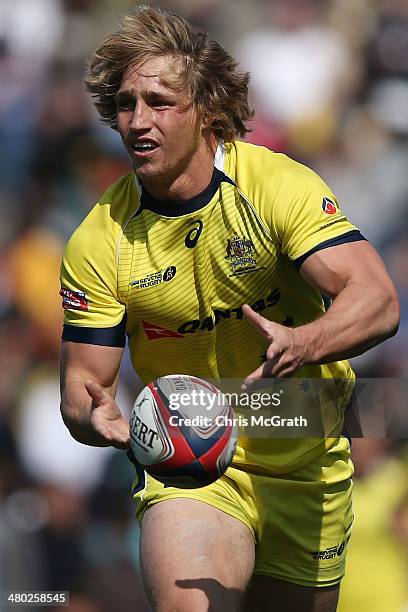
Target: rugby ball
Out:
[183,431]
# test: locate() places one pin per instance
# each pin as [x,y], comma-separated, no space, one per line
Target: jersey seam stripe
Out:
[118,250]
[259,219]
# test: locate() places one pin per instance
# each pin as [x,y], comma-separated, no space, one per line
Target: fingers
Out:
[96,391]
[267,369]
[275,367]
[256,319]
[116,433]
[254,377]
[106,418]
[122,438]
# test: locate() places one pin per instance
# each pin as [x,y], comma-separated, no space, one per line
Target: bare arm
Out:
[89,378]
[365,308]
[364,312]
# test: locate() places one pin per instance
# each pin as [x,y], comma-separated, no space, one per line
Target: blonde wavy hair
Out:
[207,72]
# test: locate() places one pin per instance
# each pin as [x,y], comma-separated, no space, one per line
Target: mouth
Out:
[143,148]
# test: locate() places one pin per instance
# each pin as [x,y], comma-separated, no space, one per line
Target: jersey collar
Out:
[177,208]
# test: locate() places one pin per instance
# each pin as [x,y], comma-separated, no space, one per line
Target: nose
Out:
[141,117]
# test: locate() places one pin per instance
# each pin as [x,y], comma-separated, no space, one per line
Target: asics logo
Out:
[194,234]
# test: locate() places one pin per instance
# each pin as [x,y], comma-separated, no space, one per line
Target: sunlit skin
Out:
[150,113]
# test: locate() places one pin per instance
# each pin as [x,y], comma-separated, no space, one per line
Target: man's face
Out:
[160,129]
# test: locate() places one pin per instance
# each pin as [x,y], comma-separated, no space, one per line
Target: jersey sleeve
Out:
[93,313]
[306,216]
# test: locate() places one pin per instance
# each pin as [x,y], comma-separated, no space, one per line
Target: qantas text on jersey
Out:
[210,322]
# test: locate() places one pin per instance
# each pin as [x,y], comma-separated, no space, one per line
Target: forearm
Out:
[360,317]
[89,380]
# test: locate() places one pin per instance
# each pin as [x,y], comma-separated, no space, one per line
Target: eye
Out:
[161,103]
[125,104]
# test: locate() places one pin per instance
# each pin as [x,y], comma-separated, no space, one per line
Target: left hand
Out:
[106,418]
[286,352]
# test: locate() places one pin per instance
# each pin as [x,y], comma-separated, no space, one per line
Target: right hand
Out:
[106,418]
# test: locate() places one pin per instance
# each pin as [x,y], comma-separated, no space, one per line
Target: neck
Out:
[191,181]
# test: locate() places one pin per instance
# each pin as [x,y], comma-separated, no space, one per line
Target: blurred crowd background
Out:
[330,88]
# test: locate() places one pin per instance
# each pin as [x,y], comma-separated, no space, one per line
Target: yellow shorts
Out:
[301,521]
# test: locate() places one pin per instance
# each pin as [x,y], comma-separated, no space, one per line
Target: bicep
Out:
[81,362]
[330,270]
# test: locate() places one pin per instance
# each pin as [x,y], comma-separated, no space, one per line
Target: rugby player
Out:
[211,256]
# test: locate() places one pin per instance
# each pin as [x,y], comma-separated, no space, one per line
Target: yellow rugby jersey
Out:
[174,276]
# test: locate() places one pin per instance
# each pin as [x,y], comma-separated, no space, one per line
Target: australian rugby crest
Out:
[240,254]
